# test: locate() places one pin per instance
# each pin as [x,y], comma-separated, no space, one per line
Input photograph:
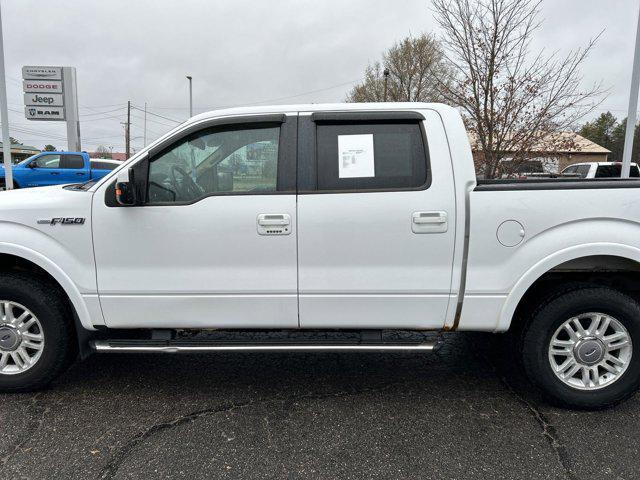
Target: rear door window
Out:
[583,170]
[363,156]
[72,162]
[103,165]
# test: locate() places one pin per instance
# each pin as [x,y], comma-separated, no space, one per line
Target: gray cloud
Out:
[243,52]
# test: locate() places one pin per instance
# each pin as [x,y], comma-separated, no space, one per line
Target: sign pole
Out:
[633,107]
[4,118]
[71,109]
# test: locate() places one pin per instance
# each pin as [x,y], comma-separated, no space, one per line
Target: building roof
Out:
[19,148]
[573,142]
[582,145]
[119,156]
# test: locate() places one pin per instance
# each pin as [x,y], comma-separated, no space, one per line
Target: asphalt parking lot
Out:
[462,413]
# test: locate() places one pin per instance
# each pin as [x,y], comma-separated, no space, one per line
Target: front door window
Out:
[215,162]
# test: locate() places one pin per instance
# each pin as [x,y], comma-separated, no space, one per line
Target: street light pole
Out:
[145,124]
[190,97]
[386,81]
[4,118]
[633,107]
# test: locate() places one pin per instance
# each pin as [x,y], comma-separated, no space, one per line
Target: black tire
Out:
[550,315]
[46,301]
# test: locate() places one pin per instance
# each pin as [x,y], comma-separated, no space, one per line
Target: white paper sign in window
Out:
[355,154]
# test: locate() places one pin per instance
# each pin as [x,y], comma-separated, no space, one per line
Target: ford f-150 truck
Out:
[360,219]
[58,168]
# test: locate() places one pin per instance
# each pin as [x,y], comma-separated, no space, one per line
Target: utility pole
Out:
[145,124]
[190,98]
[127,131]
[633,108]
[386,82]
[4,118]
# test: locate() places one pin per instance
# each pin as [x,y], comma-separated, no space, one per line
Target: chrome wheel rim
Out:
[21,338]
[590,351]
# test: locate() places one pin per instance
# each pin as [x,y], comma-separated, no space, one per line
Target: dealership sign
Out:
[50,99]
[51,86]
[51,94]
[42,73]
[44,96]
[44,113]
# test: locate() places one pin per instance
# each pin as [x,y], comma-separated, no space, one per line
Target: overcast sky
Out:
[248,52]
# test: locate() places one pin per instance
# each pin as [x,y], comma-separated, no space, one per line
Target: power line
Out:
[271,99]
[101,113]
[117,117]
[157,115]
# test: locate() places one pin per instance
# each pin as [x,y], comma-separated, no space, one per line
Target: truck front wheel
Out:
[578,347]
[36,342]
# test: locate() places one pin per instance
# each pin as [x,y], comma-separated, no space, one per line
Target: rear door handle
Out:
[429,222]
[274,224]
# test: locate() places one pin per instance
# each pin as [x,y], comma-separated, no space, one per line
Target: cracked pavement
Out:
[464,412]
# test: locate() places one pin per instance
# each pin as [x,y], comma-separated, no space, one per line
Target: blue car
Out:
[58,168]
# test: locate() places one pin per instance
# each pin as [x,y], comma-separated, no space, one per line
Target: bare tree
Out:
[102,152]
[412,65]
[515,103]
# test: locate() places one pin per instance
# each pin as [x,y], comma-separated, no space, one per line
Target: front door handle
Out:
[274,224]
[429,222]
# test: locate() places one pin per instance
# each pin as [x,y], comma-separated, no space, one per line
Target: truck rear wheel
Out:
[579,347]
[36,342]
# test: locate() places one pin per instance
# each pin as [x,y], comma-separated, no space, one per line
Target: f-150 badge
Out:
[62,221]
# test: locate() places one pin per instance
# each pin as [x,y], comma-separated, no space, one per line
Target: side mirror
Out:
[31,164]
[126,188]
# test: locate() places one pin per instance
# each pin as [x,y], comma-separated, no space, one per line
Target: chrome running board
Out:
[105,346]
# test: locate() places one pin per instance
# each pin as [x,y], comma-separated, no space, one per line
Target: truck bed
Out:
[555,184]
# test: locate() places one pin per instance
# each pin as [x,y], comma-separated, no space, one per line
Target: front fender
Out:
[58,274]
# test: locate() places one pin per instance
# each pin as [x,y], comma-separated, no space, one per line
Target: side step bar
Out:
[137,346]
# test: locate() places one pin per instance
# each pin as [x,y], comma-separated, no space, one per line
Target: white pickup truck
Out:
[362,219]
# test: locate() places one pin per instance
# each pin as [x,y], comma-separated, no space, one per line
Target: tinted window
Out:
[583,170]
[369,156]
[47,161]
[571,169]
[75,162]
[103,165]
[605,171]
[239,160]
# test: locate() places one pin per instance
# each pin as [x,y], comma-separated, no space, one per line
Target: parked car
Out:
[358,218]
[599,170]
[57,168]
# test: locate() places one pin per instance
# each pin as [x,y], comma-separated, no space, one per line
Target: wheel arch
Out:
[15,255]
[611,264]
